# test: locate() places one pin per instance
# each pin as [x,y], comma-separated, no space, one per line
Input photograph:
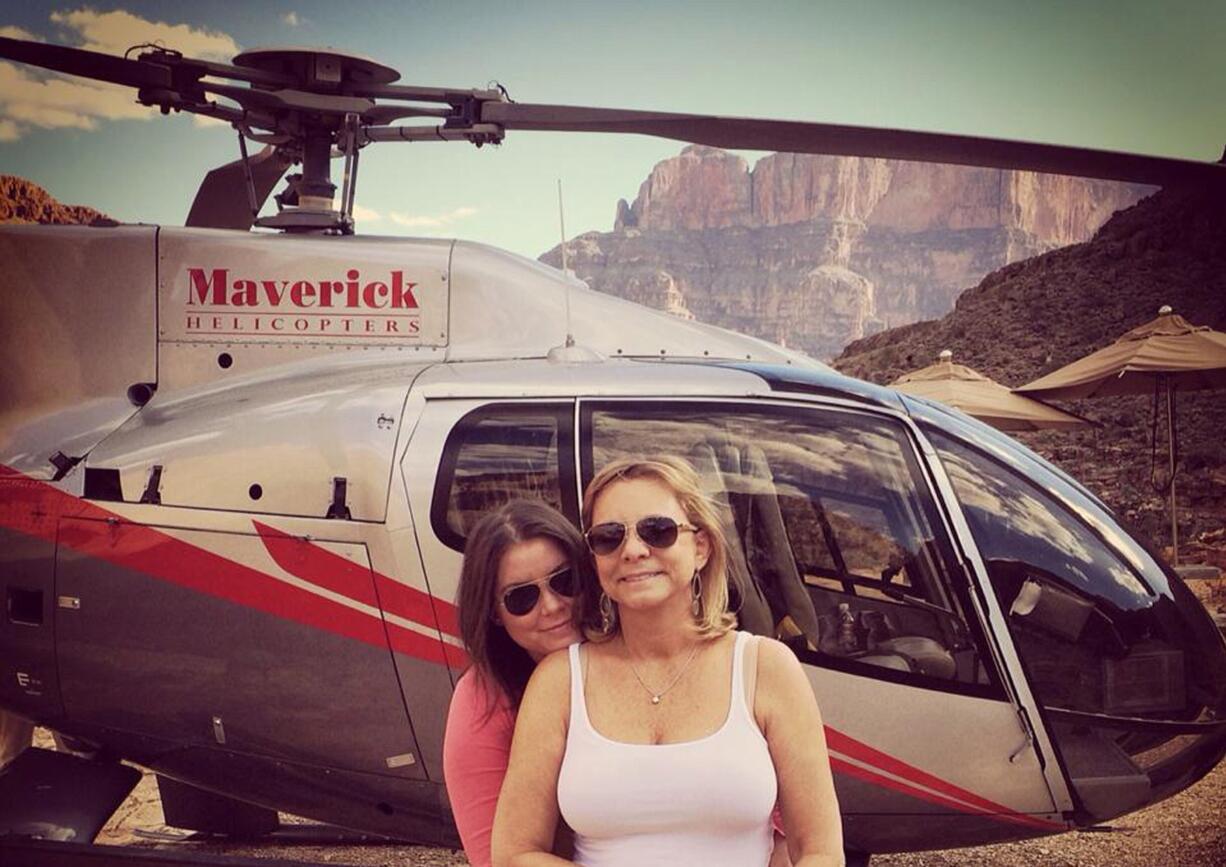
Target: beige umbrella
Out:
[976,395]
[1168,354]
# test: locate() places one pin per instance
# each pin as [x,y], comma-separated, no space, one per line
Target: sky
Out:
[1119,75]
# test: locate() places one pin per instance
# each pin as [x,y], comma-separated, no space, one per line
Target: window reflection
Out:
[833,547]
[1091,635]
[501,455]
[1013,521]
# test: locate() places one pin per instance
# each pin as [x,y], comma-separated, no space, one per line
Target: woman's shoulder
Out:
[774,650]
[778,667]
[552,675]
[476,694]
[548,692]
[783,688]
[554,668]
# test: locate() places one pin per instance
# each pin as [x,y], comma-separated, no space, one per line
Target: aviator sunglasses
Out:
[655,531]
[522,598]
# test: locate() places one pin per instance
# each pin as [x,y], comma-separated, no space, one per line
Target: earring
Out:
[696,594]
[608,614]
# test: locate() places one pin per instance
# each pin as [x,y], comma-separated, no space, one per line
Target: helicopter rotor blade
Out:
[222,201]
[152,68]
[87,64]
[839,140]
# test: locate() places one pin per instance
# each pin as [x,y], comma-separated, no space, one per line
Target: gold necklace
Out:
[656,696]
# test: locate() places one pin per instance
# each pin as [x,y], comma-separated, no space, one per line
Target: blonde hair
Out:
[680,478]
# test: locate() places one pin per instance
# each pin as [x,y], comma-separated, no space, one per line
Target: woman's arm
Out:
[787,713]
[527,816]
[476,748]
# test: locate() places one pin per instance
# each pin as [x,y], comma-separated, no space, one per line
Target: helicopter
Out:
[237,469]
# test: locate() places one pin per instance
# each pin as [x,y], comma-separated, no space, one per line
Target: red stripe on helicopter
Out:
[323,568]
[34,508]
[934,789]
[840,766]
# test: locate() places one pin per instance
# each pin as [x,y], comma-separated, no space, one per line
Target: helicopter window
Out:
[1092,637]
[500,453]
[834,542]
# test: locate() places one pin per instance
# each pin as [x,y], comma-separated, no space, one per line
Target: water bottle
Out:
[848,639]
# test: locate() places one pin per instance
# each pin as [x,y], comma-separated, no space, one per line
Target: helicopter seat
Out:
[877,642]
[923,655]
[773,596]
[753,612]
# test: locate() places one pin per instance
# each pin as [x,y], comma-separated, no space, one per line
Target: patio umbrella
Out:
[976,395]
[1164,355]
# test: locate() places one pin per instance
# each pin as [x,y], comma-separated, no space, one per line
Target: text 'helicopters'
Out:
[237,470]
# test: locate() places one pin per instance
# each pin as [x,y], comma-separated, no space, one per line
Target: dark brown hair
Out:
[498,659]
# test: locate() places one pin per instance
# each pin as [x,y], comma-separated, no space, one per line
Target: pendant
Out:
[655,699]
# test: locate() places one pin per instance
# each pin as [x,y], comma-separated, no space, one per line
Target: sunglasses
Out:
[655,531]
[522,598]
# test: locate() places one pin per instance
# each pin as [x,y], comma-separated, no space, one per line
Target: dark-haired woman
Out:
[516,606]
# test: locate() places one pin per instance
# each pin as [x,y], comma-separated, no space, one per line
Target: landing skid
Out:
[60,796]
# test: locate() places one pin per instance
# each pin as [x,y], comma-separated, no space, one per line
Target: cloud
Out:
[291,19]
[10,32]
[56,102]
[367,214]
[33,99]
[115,32]
[427,222]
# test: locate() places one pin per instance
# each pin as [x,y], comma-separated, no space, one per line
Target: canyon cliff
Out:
[815,251]
[23,201]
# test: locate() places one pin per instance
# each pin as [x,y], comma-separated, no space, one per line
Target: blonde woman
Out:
[669,737]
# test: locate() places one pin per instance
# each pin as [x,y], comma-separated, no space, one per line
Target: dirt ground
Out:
[1188,830]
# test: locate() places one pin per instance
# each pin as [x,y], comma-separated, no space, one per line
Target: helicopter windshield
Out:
[1129,672]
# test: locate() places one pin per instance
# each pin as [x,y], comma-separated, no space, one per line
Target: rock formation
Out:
[23,201]
[814,251]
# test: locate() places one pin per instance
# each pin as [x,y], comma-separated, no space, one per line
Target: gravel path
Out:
[1188,830]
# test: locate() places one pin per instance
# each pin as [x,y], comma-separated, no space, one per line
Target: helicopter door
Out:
[839,549]
[266,644]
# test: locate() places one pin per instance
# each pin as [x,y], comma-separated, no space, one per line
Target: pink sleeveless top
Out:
[707,801]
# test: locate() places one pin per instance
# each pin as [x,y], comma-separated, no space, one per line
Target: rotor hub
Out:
[318,69]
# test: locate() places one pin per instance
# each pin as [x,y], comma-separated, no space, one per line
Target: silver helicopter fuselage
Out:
[236,471]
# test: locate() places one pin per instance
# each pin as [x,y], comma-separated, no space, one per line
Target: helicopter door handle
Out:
[339,510]
[1026,744]
[1023,719]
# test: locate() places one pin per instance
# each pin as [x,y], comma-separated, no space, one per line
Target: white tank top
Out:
[705,802]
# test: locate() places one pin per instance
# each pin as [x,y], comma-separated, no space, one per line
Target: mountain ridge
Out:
[812,251]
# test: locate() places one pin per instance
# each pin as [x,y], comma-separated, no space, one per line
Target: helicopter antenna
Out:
[570,337]
[568,352]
